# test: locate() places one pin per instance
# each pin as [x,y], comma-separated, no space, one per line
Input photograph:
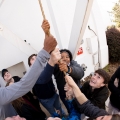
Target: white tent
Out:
[69,19]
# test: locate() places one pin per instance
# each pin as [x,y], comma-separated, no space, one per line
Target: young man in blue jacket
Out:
[46,93]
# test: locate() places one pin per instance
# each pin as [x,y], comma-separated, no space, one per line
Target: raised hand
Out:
[67,87]
[63,66]
[55,56]
[70,81]
[69,92]
[49,44]
[45,26]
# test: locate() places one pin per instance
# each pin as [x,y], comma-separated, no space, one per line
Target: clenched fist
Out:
[54,57]
[49,44]
[63,67]
[45,26]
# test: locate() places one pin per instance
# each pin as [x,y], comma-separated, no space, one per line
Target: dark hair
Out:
[69,53]
[17,104]
[115,117]
[7,83]
[104,74]
[3,72]
[30,58]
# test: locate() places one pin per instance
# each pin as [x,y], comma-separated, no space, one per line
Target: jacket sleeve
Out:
[77,70]
[18,89]
[89,109]
[46,74]
[111,85]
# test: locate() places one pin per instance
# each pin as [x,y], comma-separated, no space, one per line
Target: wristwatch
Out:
[68,69]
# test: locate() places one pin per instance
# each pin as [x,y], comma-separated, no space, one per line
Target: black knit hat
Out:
[3,72]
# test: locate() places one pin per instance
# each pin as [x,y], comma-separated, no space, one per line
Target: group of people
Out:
[17,102]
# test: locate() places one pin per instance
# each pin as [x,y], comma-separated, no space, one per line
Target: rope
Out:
[43,14]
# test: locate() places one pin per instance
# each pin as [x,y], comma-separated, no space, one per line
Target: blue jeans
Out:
[51,104]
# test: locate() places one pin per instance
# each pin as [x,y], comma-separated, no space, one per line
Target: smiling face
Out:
[15,118]
[65,57]
[7,76]
[106,117]
[96,81]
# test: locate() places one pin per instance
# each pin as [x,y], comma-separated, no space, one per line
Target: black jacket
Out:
[30,114]
[89,109]
[16,78]
[45,91]
[115,91]
[77,73]
[98,96]
[31,110]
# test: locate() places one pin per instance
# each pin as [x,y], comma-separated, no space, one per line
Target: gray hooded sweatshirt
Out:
[18,89]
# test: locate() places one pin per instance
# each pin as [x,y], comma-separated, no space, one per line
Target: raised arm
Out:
[46,74]
[16,90]
[89,109]
[77,71]
[83,104]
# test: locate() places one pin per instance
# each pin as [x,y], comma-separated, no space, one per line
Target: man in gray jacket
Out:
[16,90]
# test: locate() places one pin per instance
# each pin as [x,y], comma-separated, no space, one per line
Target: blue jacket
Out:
[45,91]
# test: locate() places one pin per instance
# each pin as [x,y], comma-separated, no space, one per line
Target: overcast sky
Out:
[105,6]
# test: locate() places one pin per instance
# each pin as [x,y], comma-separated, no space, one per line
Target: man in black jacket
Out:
[95,90]
[46,93]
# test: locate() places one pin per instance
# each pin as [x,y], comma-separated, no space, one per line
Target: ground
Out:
[111,68]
